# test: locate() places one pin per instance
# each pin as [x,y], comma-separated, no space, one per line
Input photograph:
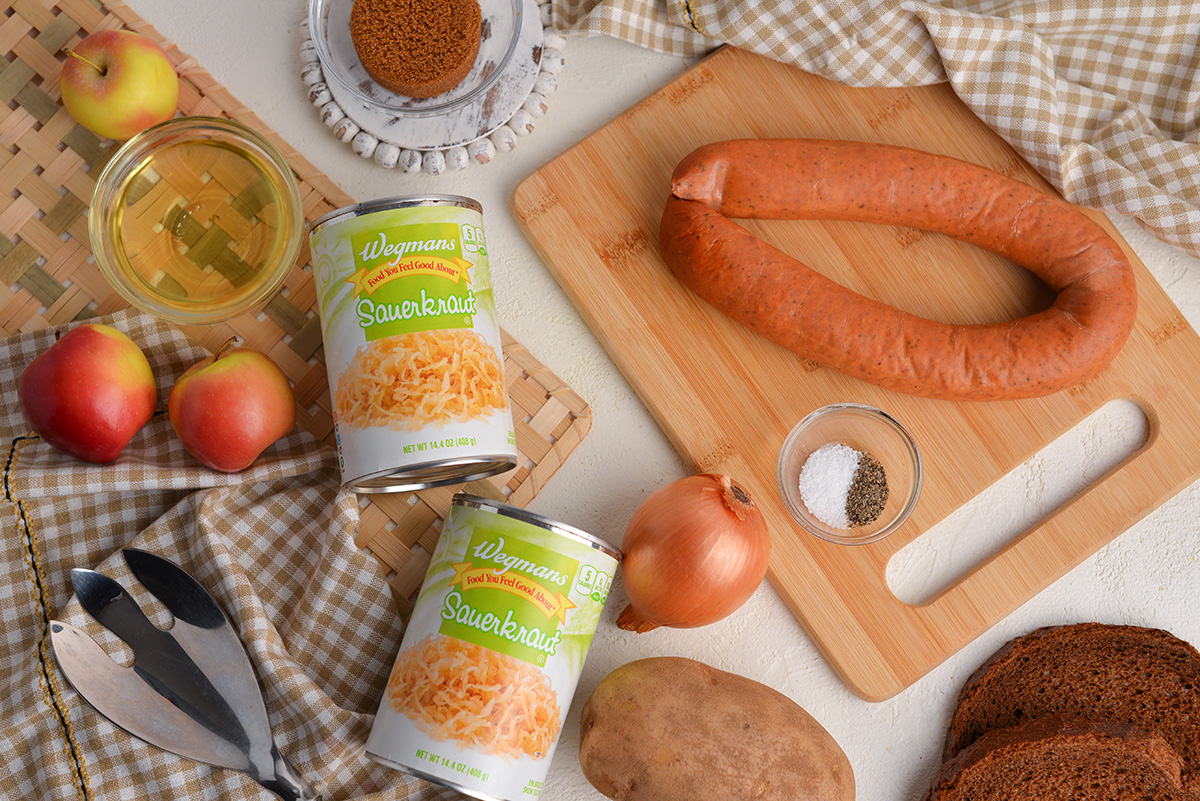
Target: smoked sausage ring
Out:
[787,302]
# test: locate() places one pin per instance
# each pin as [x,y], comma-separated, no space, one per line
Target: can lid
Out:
[516,512]
[433,474]
[429,777]
[386,203]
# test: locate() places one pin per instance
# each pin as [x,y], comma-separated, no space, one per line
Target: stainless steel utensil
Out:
[191,689]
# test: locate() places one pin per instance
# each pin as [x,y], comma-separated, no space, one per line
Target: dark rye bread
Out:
[1060,759]
[1144,677]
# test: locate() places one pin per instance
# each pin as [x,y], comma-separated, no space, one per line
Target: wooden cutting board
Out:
[727,398]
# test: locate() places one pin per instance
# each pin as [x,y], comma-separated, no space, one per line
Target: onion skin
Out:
[694,552]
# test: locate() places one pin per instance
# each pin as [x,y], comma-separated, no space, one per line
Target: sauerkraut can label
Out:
[493,651]
[412,344]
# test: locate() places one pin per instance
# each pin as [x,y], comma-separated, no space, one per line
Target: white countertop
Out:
[1148,576]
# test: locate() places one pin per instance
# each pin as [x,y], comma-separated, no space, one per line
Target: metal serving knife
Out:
[191,689]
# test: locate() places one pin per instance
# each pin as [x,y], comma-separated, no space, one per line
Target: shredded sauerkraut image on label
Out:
[485,700]
[410,381]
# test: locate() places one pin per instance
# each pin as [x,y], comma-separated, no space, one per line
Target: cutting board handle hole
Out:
[980,528]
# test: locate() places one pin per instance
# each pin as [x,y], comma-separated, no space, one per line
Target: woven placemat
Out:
[48,166]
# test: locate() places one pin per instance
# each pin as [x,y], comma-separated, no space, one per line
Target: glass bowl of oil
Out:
[196,220]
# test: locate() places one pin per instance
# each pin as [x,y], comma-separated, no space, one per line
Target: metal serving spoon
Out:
[191,690]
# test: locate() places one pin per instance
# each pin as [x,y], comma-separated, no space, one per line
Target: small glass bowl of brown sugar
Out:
[500,25]
[850,473]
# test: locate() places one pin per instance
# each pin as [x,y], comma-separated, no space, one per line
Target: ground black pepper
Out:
[868,492]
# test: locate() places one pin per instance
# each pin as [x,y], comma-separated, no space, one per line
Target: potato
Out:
[669,728]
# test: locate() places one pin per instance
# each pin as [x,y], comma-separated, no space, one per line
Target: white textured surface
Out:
[1148,576]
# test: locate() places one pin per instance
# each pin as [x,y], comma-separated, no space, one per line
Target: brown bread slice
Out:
[1140,676]
[1058,759]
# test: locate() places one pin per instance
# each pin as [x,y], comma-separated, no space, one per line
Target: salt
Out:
[825,482]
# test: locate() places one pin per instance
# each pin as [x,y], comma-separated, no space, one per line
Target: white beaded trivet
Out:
[374,135]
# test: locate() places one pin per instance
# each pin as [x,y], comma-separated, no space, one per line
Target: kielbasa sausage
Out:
[785,301]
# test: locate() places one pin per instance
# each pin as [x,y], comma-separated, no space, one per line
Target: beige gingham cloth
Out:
[1102,97]
[273,544]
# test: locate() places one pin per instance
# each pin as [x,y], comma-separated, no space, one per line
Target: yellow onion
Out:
[694,551]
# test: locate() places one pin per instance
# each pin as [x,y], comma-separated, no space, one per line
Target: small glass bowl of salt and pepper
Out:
[850,473]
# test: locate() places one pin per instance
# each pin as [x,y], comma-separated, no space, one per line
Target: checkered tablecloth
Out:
[1102,97]
[274,545]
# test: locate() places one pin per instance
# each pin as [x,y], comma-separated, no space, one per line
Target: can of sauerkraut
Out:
[412,343]
[493,651]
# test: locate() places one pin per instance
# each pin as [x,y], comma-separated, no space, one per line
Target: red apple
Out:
[228,408]
[117,83]
[88,393]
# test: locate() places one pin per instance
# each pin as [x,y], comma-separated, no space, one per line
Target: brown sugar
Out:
[416,48]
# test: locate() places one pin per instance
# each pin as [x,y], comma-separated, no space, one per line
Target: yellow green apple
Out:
[88,393]
[228,408]
[117,83]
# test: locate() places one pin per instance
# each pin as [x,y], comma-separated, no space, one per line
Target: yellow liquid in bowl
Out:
[200,225]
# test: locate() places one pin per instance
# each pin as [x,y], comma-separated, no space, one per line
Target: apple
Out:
[88,393]
[229,407]
[117,83]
